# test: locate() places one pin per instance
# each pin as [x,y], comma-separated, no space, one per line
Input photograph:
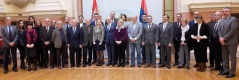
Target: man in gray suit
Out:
[149,41]
[228,38]
[10,37]
[134,33]
[165,39]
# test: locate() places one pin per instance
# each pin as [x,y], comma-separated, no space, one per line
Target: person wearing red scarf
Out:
[30,40]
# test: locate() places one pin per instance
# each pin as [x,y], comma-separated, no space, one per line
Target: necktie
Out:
[47,29]
[178,24]
[66,26]
[149,25]
[88,29]
[108,27]
[164,26]
[10,33]
[215,30]
[74,30]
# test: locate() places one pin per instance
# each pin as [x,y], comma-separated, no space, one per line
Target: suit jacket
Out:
[56,38]
[165,37]
[74,39]
[135,33]
[228,30]
[87,37]
[179,35]
[65,26]
[176,29]
[44,35]
[6,37]
[149,34]
[109,33]
[191,23]
[115,21]
[98,35]
[211,25]
[204,31]
[78,25]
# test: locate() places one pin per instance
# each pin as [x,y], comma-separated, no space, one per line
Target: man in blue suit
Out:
[109,41]
[74,42]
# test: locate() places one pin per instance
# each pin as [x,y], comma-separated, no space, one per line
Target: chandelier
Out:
[19,3]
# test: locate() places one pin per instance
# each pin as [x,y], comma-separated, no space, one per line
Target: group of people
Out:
[121,38]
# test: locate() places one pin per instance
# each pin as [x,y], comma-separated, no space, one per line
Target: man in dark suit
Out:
[109,41]
[191,24]
[215,43]
[228,37]
[10,37]
[60,41]
[87,42]
[65,27]
[177,26]
[45,35]
[211,25]
[149,41]
[113,19]
[74,42]
[165,40]
[81,23]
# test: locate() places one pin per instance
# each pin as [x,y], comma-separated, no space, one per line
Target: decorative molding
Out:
[19,3]
[213,6]
[48,5]
[42,13]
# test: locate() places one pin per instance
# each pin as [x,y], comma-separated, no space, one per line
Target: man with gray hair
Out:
[59,38]
[228,37]
[45,35]
[214,42]
[134,34]
[211,27]
[10,37]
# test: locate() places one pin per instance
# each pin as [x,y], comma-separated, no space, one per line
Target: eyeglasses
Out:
[47,21]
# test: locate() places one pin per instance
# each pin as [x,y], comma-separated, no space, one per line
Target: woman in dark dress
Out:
[30,40]
[21,45]
[99,46]
[39,43]
[121,40]
[200,33]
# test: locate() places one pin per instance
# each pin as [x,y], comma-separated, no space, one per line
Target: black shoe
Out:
[29,69]
[113,64]
[78,65]
[15,70]
[35,68]
[168,66]
[211,66]
[94,62]
[215,69]
[139,66]
[147,65]
[196,65]
[162,65]
[132,65]
[51,67]
[127,62]
[89,64]
[72,66]
[180,67]
[23,67]
[223,73]
[143,62]
[59,67]
[84,65]
[119,65]
[123,65]
[188,68]
[5,71]
[230,76]
[175,64]
[108,64]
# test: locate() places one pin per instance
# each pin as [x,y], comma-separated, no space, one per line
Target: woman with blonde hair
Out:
[98,41]
[121,40]
[183,36]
